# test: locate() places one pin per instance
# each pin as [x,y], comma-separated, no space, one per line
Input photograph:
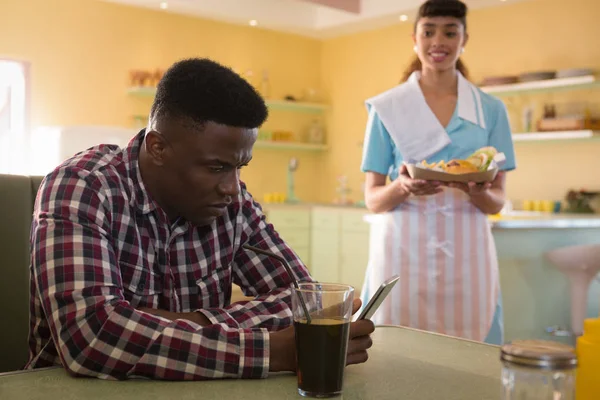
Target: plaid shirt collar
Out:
[141,198]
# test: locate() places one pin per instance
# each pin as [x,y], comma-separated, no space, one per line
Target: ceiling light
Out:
[253,22]
[164,5]
[404,17]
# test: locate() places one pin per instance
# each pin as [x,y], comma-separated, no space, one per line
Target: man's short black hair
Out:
[203,90]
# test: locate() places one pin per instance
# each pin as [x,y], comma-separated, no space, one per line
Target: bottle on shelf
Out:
[265,85]
[343,190]
[549,111]
[528,119]
[316,133]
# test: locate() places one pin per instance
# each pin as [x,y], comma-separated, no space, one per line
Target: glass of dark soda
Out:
[322,316]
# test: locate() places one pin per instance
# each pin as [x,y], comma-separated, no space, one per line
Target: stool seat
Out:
[581,264]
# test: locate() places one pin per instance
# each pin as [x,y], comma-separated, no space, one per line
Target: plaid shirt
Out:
[101,247]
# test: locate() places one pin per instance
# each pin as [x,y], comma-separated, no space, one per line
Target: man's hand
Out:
[282,354]
[196,317]
[283,344]
[360,339]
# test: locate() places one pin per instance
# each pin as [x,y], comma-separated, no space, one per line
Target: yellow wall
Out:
[81,51]
[509,39]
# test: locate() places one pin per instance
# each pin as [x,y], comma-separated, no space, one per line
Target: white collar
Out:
[412,124]
[469,99]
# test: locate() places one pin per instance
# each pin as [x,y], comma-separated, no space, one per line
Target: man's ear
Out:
[156,147]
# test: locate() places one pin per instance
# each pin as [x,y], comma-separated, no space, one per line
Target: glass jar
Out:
[538,370]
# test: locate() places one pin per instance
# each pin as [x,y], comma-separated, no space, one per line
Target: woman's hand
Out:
[417,187]
[488,197]
[382,197]
[471,188]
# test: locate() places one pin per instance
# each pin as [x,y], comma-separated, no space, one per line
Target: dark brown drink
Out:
[321,347]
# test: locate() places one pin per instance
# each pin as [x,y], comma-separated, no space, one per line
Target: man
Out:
[134,250]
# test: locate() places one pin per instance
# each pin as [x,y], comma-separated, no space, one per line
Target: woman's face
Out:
[439,42]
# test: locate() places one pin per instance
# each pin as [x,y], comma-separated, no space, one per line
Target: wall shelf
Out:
[273,104]
[556,136]
[142,91]
[265,144]
[549,85]
[296,106]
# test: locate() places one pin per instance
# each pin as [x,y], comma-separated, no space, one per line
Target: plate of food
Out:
[481,166]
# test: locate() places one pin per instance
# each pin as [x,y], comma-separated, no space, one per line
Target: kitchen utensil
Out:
[292,168]
[499,80]
[537,76]
[574,72]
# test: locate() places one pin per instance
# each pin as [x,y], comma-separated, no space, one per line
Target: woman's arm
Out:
[489,197]
[380,197]
[492,200]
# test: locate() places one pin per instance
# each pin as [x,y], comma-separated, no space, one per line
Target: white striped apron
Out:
[442,248]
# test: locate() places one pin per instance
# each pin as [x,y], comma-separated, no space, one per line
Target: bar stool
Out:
[581,264]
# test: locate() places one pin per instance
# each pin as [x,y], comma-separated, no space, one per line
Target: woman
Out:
[435,236]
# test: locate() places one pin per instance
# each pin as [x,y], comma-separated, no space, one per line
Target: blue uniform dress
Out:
[382,156]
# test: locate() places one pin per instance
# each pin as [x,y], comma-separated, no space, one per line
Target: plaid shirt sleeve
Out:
[260,276]
[95,330]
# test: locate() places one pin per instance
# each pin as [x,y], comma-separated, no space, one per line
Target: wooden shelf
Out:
[142,91]
[549,85]
[556,136]
[296,106]
[273,104]
[264,144]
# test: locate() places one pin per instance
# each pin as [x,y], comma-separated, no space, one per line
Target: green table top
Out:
[404,364]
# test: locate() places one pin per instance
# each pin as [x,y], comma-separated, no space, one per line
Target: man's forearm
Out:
[196,317]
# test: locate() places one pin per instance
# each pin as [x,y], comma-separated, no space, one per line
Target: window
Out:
[13,117]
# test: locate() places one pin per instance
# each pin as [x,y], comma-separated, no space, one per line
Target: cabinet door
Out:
[324,245]
[354,256]
[281,218]
[324,256]
[295,237]
[293,226]
[354,248]
[304,254]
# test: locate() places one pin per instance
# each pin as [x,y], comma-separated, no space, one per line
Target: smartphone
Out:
[378,298]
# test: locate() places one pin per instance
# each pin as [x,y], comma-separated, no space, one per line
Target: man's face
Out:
[199,167]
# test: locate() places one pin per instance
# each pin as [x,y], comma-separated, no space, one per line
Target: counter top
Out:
[309,205]
[515,220]
[546,221]
[404,364]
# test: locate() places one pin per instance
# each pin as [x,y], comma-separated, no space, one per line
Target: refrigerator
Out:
[51,145]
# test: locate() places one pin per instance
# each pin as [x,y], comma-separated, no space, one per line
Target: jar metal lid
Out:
[539,354]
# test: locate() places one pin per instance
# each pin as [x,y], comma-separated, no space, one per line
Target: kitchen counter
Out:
[309,205]
[545,221]
[536,295]
[515,220]
[403,364]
